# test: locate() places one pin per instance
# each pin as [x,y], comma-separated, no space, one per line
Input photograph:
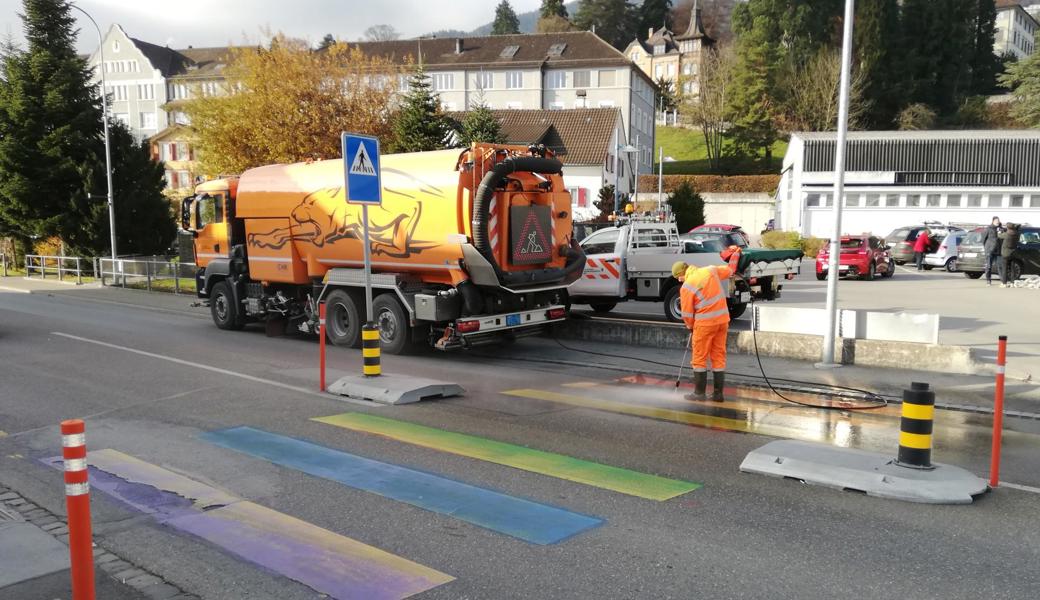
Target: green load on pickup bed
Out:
[753,255]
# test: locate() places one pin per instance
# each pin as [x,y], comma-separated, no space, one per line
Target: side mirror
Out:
[186,213]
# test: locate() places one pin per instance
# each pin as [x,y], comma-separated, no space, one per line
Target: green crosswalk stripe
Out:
[617,479]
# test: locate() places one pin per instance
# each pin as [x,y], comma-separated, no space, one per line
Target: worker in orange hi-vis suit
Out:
[706,314]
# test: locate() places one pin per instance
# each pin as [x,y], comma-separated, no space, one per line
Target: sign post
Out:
[364,187]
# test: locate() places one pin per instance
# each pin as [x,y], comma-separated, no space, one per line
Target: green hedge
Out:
[745,184]
[792,240]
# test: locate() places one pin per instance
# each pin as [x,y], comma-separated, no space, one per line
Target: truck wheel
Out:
[226,314]
[394,329]
[673,305]
[735,310]
[342,319]
[602,307]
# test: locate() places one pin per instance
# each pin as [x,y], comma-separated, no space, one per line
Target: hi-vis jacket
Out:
[703,301]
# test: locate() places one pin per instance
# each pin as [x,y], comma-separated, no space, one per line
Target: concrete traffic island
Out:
[911,476]
[394,389]
[869,472]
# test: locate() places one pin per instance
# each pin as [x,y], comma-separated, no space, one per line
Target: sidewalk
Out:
[181,303]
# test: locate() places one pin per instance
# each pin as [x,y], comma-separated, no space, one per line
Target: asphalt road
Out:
[150,383]
[972,313]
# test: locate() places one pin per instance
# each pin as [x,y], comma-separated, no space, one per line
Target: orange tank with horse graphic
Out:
[298,225]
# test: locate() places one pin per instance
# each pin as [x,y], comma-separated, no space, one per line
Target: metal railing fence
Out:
[42,265]
[151,275]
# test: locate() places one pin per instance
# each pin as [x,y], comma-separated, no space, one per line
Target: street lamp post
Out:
[660,177]
[627,149]
[104,119]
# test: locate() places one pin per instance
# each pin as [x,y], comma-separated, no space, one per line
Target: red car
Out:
[863,256]
[722,228]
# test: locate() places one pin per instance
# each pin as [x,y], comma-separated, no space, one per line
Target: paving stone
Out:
[63,530]
[44,520]
[115,566]
[63,538]
[143,581]
[51,527]
[128,574]
[8,496]
[160,591]
[105,557]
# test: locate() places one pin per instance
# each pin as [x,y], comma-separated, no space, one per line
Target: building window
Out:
[953,200]
[555,80]
[671,70]
[974,200]
[180,118]
[1034,201]
[932,200]
[658,71]
[635,57]
[514,79]
[659,49]
[146,91]
[852,200]
[484,80]
[115,46]
[118,92]
[147,120]
[812,200]
[607,78]
[443,81]
[873,200]
[913,200]
[891,200]
[995,200]
[1016,201]
[582,79]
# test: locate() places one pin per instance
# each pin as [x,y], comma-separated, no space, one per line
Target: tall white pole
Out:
[839,187]
[635,188]
[660,179]
[104,120]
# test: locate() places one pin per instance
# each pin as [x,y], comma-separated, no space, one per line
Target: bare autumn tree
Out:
[810,94]
[381,33]
[287,103]
[708,108]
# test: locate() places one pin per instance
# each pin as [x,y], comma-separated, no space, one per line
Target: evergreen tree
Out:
[654,14]
[751,103]
[506,21]
[480,125]
[687,206]
[50,119]
[1023,78]
[326,41]
[552,8]
[876,36]
[420,125]
[613,20]
[605,202]
[985,64]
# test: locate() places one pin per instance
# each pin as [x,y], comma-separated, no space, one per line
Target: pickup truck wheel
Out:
[602,307]
[226,314]
[735,310]
[394,328]
[342,319]
[673,305]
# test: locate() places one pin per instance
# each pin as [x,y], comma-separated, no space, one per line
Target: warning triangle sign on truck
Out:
[362,163]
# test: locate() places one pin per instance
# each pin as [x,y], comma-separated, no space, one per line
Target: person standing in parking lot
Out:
[1007,248]
[991,245]
[921,247]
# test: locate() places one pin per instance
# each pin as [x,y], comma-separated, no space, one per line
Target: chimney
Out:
[650,33]
[458,45]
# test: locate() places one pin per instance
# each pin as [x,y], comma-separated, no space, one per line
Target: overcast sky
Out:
[200,23]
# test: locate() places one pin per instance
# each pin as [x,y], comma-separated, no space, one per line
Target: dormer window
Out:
[659,49]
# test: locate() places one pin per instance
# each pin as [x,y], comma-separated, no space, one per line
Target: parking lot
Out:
[972,313]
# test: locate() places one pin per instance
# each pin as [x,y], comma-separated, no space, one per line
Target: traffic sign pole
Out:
[368,267]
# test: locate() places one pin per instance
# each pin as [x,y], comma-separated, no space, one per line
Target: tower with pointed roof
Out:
[674,58]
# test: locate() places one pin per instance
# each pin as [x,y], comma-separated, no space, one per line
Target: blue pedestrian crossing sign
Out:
[361,168]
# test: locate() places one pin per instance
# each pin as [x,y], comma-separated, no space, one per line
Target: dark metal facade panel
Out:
[1015,160]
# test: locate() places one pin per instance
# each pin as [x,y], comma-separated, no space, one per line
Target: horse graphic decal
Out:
[312,224]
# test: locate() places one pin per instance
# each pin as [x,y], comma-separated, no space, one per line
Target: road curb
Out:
[115,566]
[4,288]
[957,360]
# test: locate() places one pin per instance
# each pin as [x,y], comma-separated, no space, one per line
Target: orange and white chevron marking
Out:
[602,268]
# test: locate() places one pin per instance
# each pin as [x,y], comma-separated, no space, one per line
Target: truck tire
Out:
[226,313]
[395,332]
[735,310]
[673,305]
[602,307]
[343,319]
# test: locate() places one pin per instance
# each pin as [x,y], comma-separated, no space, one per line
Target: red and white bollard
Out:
[77,502]
[321,342]
[998,413]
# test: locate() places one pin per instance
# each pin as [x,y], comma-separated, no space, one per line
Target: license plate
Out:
[970,254]
[512,320]
[843,267]
[745,297]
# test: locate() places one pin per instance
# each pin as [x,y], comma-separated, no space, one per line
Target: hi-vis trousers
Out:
[709,341]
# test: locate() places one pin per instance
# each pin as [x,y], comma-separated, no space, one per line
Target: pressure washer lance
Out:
[678,377]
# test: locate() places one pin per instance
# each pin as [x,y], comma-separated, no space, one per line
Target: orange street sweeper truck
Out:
[467,248]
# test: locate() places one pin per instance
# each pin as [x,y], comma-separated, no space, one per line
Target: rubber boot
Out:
[717,385]
[700,386]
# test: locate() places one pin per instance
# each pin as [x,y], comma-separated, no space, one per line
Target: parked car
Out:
[971,257]
[735,232]
[712,239]
[902,239]
[862,256]
[946,254]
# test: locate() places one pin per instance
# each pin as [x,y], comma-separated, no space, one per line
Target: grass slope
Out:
[688,149]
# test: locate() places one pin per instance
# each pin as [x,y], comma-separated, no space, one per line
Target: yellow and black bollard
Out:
[915,427]
[370,349]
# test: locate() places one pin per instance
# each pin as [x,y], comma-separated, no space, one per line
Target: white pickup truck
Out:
[633,261]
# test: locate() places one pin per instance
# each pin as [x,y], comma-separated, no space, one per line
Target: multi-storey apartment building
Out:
[1016,29]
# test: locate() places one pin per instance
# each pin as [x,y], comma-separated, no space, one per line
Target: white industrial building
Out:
[897,178]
